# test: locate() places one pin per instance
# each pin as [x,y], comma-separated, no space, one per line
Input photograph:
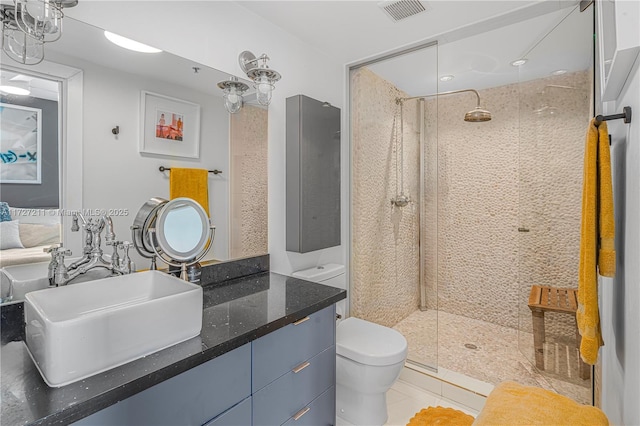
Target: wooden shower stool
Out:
[551,299]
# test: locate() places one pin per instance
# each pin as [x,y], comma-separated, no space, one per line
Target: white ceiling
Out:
[353,30]
[477,40]
[484,60]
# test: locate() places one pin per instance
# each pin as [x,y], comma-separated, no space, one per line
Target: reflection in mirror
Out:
[116,176]
[29,167]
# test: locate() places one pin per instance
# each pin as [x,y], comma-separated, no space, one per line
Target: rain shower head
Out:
[477,115]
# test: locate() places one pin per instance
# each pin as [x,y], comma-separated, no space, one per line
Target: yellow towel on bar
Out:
[596,237]
[190,183]
[513,404]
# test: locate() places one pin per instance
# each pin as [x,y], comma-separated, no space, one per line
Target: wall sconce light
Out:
[263,77]
[28,24]
[233,91]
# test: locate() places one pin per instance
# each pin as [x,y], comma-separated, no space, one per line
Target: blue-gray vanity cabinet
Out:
[283,350]
[239,415]
[283,398]
[321,411]
[191,398]
[292,367]
[285,375]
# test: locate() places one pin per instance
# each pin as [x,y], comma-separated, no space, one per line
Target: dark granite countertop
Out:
[235,312]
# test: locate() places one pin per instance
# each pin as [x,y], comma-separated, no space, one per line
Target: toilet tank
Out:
[330,274]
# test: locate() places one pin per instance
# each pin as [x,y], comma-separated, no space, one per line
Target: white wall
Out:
[620,296]
[214,33]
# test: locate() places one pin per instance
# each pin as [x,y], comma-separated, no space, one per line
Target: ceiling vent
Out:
[401,9]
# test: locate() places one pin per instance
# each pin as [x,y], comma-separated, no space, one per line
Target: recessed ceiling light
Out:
[130,44]
[519,62]
[447,78]
[14,90]
[559,72]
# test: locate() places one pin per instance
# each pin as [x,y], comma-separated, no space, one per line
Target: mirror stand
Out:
[134,232]
[190,269]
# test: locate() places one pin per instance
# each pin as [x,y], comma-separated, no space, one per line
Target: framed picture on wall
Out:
[169,126]
[20,144]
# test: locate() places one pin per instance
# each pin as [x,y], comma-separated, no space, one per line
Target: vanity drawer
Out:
[190,398]
[279,352]
[321,411]
[239,415]
[283,398]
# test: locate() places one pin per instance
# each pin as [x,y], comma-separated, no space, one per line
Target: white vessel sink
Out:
[79,330]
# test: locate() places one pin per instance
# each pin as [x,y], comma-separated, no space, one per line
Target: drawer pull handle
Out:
[301,321]
[301,413]
[301,367]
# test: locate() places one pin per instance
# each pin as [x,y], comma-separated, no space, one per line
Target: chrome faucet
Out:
[93,257]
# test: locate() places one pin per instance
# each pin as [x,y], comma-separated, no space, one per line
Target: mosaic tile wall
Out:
[522,169]
[248,182]
[385,251]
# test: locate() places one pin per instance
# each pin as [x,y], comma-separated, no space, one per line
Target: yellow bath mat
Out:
[440,416]
[513,404]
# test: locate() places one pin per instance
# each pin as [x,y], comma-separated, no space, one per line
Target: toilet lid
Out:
[369,343]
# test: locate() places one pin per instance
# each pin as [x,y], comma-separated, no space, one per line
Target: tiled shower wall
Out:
[248,182]
[521,169]
[385,251]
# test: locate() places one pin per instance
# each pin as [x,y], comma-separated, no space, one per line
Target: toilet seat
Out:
[369,343]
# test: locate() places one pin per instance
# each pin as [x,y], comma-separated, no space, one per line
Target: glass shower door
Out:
[554,113]
[394,198]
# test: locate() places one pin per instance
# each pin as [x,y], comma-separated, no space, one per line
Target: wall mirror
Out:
[104,171]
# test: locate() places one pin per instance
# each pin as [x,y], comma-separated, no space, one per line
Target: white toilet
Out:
[369,360]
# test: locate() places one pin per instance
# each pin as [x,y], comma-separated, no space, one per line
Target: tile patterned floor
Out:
[496,357]
[405,400]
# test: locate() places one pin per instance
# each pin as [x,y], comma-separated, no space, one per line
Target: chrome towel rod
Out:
[166,169]
[626,116]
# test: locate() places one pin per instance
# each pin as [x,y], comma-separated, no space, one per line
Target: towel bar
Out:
[626,116]
[166,169]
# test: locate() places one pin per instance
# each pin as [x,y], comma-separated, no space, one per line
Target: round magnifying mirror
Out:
[182,229]
[144,220]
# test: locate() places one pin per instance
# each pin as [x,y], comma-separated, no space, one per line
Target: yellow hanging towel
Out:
[596,237]
[190,183]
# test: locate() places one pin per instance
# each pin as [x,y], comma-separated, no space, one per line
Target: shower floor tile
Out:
[490,353]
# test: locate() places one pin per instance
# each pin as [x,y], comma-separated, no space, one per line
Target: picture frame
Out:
[169,126]
[20,144]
